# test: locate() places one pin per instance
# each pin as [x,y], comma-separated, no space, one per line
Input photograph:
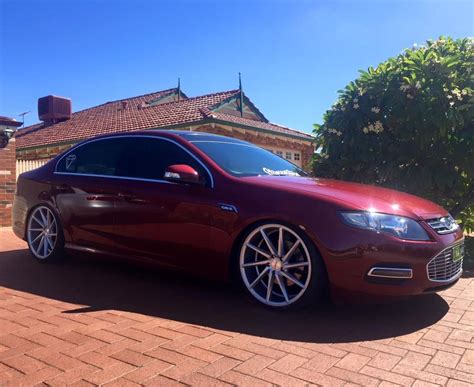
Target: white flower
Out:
[375,109]
[365,130]
[343,108]
[378,127]
[451,103]
[449,96]
[338,132]
[418,85]
[356,106]
[410,96]
[404,87]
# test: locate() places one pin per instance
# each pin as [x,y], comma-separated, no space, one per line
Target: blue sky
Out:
[293,55]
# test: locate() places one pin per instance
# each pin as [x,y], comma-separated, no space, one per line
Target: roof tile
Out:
[111,117]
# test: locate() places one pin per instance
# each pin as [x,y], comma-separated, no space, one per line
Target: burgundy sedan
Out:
[221,207]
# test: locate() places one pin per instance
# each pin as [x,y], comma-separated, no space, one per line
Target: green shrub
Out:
[408,124]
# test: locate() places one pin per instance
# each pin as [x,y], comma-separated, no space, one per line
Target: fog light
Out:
[390,272]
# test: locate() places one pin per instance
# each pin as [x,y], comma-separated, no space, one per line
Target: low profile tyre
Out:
[280,267]
[44,234]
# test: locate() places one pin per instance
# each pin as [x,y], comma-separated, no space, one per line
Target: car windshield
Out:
[243,159]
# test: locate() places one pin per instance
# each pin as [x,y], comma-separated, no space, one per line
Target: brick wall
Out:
[7,182]
[45,153]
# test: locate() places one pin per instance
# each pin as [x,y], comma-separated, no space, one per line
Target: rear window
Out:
[98,157]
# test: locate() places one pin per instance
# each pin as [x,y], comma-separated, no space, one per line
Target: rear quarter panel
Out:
[33,188]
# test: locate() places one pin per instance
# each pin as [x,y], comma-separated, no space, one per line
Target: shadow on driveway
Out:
[105,285]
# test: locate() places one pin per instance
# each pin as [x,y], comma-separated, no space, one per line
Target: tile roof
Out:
[112,117]
[9,121]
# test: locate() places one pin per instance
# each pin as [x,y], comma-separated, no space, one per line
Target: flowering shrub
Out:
[408,124]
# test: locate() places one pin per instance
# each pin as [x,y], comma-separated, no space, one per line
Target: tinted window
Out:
[247,160]
[147,158]
[96,158]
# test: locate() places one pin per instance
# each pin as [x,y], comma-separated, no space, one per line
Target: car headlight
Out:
[399,226]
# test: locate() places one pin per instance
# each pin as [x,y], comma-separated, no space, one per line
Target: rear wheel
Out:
[44,235]
[280,267]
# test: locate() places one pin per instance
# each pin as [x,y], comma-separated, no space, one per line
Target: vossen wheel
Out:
[280,267]
[44,235]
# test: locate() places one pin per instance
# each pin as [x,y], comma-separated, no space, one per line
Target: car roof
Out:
[196,136]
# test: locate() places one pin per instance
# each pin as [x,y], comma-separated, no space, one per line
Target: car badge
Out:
[70,160]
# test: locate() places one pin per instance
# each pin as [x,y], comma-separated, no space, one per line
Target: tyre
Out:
[280,267]
[44,234]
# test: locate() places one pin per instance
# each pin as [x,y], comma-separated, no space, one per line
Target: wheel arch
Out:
[234,253]
[42,204]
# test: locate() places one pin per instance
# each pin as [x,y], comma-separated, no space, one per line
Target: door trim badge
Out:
[228,207]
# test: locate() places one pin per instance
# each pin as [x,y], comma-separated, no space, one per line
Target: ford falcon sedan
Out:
[224,208]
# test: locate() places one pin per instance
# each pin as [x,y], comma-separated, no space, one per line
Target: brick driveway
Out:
[91,321]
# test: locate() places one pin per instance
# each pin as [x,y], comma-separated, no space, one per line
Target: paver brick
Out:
[420,375]
[220,366]
[321,362]
[24,363]
[131,357]
[384,361]
[415,360]
[187,367]
[353,377]
[240,379]
[353,362]
[64,340]
[280,379]
[288,363]
[148,371]
[446,359]
[254,364]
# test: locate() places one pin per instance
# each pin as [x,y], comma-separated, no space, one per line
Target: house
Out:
[229,113]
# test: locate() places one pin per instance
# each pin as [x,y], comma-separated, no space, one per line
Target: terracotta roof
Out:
[112,117]
[9,121]
[268,126]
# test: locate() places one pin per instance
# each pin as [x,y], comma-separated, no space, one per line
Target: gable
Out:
[231,106]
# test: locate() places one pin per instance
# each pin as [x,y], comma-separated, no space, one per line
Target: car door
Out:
[86,189]
[159,220]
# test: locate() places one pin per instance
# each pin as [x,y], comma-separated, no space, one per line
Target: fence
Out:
[28,165]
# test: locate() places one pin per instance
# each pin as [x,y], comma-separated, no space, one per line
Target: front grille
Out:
[443,225]
[442,267]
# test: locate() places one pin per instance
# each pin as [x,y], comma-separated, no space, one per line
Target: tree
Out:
[408,124]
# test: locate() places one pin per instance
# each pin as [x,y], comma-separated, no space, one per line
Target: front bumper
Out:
[385,266]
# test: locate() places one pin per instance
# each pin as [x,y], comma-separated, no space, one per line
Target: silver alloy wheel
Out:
[42,232]
[275,265]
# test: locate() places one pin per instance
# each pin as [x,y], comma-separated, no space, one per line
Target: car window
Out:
[98,157]
[244,159]
[148,158]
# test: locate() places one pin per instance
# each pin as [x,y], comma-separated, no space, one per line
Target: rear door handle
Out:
[126,196]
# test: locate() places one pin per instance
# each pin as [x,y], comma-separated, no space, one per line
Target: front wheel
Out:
[44,234]
[280,267]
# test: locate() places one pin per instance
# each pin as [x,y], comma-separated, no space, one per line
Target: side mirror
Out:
[182,173]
